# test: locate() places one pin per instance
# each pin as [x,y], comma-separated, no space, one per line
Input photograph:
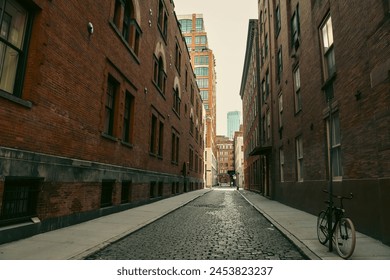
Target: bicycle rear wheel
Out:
[345,238]
[322,227]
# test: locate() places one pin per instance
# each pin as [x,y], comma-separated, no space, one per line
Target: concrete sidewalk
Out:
[78,241]
[300,228]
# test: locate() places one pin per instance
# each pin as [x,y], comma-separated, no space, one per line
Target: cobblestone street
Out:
[218,225]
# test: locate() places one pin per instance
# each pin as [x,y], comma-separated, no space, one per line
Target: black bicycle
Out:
[343,230]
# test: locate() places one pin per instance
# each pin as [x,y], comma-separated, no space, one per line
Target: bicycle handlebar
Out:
[339,196]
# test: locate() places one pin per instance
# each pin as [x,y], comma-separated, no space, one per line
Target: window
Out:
[192,125]
[106,193]
[267,86]
[299,153]
[327,48]
[153,190]
[162,19]
[279,66]
[295,29]
[199,24]
[192,97]
[201,60]
[266,45]
[201,71]
[153,135]
[204,94]
[281,164]
[278,23]
[14,22]
[112,89]
[263,89]
[160,140]
[186,26]
[203,82]
[337,169]
[176,100]
[128,118]
[117,12]
[126,191]
[188,41]
[127,26]
[297,86]
[20,198]
[178,58]
[160,76]
[280,110]
[200,40]
[160,189]
[157,135]
[175,147]
[191,159]
[268,125]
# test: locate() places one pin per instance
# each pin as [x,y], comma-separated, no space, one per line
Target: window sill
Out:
[297,112]
[127,144]
[109,137]
[176,113]
[15,99]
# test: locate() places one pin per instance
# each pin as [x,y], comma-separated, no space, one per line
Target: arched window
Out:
[126,22]
[160,76]
[176,100]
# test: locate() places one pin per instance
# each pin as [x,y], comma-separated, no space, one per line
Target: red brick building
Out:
[97,111]
[203,61]
[309,50]
[225,159]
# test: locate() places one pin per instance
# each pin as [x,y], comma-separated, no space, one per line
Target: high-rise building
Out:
[105,120]
[203,62]
[317,109]
[233,123]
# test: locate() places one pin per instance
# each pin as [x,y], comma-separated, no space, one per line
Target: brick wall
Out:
[60,137]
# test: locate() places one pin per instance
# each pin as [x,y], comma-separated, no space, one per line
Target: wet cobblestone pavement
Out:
[218,225]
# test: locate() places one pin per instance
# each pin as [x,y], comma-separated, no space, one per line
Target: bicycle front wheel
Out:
[345,238]
[322,227]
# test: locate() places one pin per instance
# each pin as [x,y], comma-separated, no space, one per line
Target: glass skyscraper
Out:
[233,123]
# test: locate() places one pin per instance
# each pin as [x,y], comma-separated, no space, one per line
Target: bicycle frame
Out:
[335,228]
[338,215]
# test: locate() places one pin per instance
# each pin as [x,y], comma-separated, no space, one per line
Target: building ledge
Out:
[260,150]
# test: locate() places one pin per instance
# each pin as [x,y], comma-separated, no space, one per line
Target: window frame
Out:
[278,22]
[279,66]
[336,146]
[175,147]
[327,48]
[16,94]
[299,158]
[297,89]
[23,192]
[110,106]
[162,20]
[156,145]
[295,29]
[128,118]
[126,24]
[159,76]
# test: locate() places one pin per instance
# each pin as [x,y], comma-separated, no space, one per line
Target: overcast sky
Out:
[227,27]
